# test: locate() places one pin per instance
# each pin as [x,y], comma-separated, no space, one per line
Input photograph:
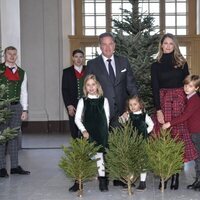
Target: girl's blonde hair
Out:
[99,88]
[179,60]
[138,99]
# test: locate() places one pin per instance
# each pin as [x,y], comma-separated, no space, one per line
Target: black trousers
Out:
[75,133]
[196,141]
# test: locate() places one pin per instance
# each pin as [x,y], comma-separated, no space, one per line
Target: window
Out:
[94,15]
[98,14]
[179,17]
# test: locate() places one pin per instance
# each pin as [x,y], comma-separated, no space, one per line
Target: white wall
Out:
[45,26]
[10,25]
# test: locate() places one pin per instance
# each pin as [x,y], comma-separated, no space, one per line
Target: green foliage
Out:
[6,134]
[165,154]
[135,40]
[78,161]
[126,157]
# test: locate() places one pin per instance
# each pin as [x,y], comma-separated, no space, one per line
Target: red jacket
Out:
[191,114]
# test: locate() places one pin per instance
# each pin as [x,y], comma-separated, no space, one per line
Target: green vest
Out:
[80,87]
[14,87]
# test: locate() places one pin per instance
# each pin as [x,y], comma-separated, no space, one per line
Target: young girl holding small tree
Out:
[92,119]
[143,124]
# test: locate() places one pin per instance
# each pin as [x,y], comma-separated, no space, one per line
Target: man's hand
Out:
[24,115]
[71,110]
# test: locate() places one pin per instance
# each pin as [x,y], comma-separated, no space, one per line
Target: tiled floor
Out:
[41,154]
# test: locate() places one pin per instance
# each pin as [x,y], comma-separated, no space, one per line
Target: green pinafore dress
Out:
[138,122]
[95,122]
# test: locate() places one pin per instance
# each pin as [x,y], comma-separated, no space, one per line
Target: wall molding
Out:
[45,126]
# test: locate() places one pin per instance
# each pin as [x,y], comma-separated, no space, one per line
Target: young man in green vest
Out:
[16,80]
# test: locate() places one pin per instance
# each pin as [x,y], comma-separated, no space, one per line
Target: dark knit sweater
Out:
[164,74]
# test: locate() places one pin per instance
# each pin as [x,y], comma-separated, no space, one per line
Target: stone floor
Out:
[41,154]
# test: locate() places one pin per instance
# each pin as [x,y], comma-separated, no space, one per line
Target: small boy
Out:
[191,115]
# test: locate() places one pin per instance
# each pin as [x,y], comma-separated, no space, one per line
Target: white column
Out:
[10,25]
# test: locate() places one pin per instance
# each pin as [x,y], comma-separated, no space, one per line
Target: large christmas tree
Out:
[135,40]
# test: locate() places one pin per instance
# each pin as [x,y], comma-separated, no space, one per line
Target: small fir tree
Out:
[136,39]
[78,161]
[165,155]
[5,133]
[126,156]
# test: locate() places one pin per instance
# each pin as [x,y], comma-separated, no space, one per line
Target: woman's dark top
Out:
[166,75]
[95,121]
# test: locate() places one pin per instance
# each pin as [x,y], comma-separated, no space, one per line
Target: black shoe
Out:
[103,184]
[193,184]
[74,187]
[174,182]
[197,186]
[142,186]
[3,173]
[119,183]
[19,170]
[160,185]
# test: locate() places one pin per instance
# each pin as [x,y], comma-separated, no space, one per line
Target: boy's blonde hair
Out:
[99,88]
[192,78]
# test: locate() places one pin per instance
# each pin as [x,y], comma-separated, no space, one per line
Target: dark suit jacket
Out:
[124,83]
[69,87]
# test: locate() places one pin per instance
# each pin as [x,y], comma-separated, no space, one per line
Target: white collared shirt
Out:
[112,63]
[79,69]
[190,95]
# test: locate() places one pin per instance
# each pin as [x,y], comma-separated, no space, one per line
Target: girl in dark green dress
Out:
[142,122]
[92,119]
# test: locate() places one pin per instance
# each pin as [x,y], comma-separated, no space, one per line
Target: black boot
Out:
[3,172]
[75,187]
[197,185]
[174,182]
[192,186]
[119,183]
[142,186]
[160,185]
[103,184]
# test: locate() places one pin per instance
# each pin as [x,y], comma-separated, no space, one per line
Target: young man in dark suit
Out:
[116,78]
[72,91]
[72,88]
